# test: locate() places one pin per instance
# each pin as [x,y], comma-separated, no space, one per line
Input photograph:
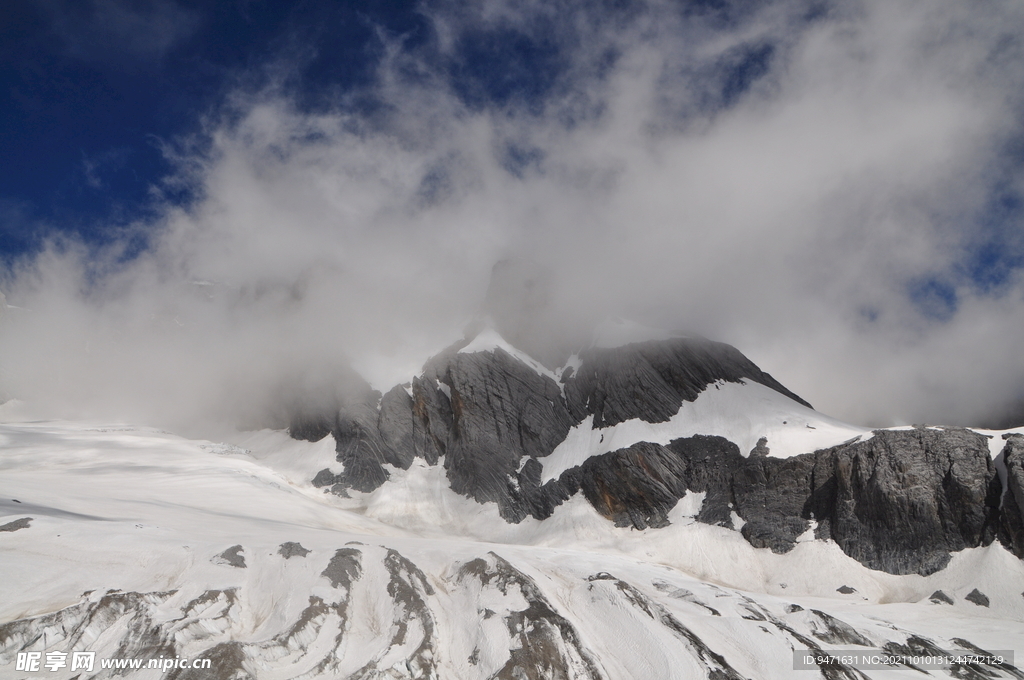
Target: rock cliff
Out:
[896,500]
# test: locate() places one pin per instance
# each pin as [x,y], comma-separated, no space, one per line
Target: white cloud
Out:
[792,224]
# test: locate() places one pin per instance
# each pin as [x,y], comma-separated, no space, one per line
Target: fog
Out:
[833,220]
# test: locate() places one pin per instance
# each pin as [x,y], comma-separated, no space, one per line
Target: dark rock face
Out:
[485,411]
[232,556]
[344,568]
[635,486]
[649,380]
[547,645]
[710,464]
[360,446]
[351,415]
[395,424]
[977,597]
[369,431]
[502,410]
[290,549]
[901,501]
[312,427]
[432,419]
[939,597]
[770,496]
[324,478]
[1013,497]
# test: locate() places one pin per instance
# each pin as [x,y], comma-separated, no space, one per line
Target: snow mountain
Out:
[657,508]
[635,428]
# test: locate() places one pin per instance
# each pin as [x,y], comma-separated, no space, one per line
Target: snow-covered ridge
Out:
[229,543]
[136,533]
[489,340]
[740,412]
[178,486]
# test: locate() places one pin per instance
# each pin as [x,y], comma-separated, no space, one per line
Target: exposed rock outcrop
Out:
[977,597]
[23,523]
[1013,497]
[502,410]
[376,612]
[395,424]
[232,557]
[290,549]
[432,419]
[635,486]
[900,500]
[484,411]
[649,380]
[904,500]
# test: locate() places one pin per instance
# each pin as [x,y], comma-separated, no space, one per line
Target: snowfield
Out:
[132,542]
[740,412]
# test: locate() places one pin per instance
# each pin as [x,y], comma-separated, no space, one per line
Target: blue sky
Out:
[99,95]
[93,93]
[201,197]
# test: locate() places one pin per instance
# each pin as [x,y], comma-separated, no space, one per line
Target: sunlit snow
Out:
[115,506]
[740,412]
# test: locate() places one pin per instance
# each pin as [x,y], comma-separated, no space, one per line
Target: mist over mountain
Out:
[833,190]
[495,340]
[656,503]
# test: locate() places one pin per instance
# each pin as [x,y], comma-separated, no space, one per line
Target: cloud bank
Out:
[832,190]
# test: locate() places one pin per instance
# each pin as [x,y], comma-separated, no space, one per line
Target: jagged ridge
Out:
[899,501]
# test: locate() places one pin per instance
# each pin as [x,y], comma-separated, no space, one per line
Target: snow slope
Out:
[743,412]
[740,412]
[136,539]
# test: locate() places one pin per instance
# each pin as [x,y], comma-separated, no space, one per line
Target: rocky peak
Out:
[900,501]
[650,380]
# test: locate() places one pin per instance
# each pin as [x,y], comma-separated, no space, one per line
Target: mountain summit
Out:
[656,506]
[636,427]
